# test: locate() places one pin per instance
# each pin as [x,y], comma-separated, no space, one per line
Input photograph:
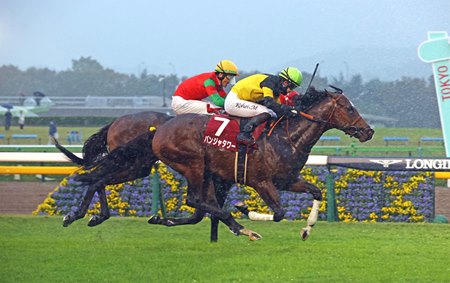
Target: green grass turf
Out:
[39,249]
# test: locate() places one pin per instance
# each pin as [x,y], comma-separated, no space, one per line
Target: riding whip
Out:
[312,77]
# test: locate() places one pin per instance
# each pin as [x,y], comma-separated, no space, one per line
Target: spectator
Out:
[52,132]
[21,120]
[37,97]
[73,137]
[8,117]
[21,98]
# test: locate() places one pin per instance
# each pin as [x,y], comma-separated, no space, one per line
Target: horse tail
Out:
[125,163]
[95,147]
[75,159]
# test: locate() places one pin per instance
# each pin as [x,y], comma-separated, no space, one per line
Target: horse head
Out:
[335,110]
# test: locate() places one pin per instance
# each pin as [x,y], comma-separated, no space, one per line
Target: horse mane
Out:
[310,98]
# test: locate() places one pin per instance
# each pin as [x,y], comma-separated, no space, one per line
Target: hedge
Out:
[369,196]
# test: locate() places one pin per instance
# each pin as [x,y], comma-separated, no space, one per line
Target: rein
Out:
[350,130]
[354,130]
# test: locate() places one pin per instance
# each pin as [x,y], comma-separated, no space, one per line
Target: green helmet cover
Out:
[292,75]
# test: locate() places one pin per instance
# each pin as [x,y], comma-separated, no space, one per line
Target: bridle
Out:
[350,129]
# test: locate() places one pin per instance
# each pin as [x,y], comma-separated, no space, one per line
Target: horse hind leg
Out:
[81,212]
[195,218]
[206,200]
[221,194]
[129,162]
[104,209]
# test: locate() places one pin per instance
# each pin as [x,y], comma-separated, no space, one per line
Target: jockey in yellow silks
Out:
[258,96]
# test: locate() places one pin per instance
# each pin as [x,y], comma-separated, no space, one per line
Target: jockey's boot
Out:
[245,137]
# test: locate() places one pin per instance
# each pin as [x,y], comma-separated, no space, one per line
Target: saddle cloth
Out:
[222,130]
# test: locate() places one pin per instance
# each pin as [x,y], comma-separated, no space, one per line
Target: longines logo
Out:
[427,163]
[386,163]
[432,164]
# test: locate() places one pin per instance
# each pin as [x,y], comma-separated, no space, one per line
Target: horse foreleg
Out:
[104,209]
[312,218]
[252,215]
[303,186]
[207,201]
[269,194]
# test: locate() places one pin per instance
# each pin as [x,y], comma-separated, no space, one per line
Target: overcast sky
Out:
[190,37]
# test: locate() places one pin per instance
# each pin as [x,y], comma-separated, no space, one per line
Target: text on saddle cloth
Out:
[222,130]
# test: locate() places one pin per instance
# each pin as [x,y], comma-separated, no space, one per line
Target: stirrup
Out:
[245,138]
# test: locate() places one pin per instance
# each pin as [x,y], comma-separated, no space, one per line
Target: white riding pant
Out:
[243,108]
[183,106]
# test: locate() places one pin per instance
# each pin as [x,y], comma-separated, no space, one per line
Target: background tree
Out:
[411,101]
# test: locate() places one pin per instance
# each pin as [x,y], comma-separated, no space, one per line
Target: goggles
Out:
[232,79]
[287,84]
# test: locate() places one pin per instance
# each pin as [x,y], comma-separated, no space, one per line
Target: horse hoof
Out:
[154,219]
[67,220]
[93,221]
[168,222]
[252,236]
[96,220]
[304,234]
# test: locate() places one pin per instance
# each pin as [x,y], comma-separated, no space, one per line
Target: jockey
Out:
[191,95]
[258,96]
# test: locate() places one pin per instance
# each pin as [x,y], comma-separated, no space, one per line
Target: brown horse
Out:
[273,167]
[117,133]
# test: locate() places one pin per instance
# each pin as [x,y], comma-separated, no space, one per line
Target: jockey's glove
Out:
[292,113]
[279,109]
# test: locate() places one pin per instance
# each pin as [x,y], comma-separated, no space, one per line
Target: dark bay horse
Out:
[107,139]
[274,167]
[117,133]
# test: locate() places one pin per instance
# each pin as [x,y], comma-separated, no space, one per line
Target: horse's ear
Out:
[312,89]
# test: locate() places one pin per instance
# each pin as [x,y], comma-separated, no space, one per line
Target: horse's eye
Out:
[350,110]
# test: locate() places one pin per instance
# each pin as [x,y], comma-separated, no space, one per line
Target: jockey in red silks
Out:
[204,93]
[288,99]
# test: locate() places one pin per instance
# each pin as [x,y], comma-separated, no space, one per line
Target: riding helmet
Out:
[227,67]
[292,75]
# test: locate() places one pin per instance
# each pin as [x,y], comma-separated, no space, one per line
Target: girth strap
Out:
[240,165]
